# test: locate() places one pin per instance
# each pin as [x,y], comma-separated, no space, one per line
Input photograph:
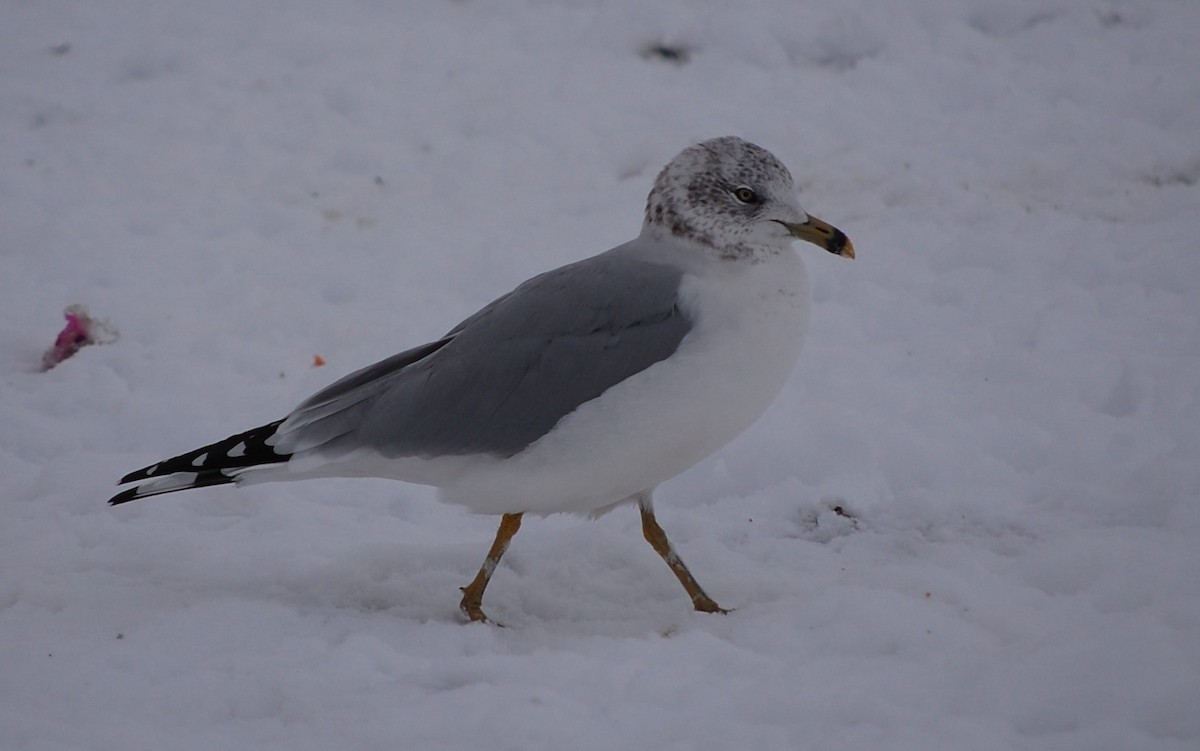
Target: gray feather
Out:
[505,376]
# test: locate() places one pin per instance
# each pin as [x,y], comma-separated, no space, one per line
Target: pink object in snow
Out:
[81,330]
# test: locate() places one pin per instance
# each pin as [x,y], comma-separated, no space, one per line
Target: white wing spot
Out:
[238,450]
[199,460]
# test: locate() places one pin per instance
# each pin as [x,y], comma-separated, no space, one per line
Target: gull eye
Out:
[745,195]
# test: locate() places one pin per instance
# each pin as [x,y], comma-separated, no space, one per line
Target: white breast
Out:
[750,320]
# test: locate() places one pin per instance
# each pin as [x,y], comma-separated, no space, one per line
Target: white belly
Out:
[750,321]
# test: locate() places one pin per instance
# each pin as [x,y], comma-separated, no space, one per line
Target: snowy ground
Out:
[1002,389]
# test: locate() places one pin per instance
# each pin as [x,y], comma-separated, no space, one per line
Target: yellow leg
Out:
[657,538]
[472,601]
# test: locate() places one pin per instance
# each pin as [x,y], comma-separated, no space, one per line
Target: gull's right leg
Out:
[472,601]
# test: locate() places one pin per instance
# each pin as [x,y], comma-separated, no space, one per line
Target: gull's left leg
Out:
[472,601]
[657,538]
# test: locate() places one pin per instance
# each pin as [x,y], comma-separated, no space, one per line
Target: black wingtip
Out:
[125,496]
[209,464]
[202,479]
[138,474]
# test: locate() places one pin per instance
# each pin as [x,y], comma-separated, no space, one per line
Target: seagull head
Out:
[733,196]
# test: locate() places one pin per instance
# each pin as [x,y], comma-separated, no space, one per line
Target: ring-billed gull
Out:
[583,388]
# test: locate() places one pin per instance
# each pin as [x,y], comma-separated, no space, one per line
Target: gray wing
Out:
[505,376]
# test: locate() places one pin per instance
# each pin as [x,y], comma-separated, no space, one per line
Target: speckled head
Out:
[736,198]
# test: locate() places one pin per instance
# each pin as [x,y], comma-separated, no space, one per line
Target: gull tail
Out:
[215,464]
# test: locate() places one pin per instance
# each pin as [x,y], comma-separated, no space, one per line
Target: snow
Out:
[999,394]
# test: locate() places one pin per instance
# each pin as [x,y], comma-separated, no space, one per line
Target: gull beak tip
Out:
[847,250]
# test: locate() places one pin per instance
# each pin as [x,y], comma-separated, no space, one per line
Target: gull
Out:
[586,386]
